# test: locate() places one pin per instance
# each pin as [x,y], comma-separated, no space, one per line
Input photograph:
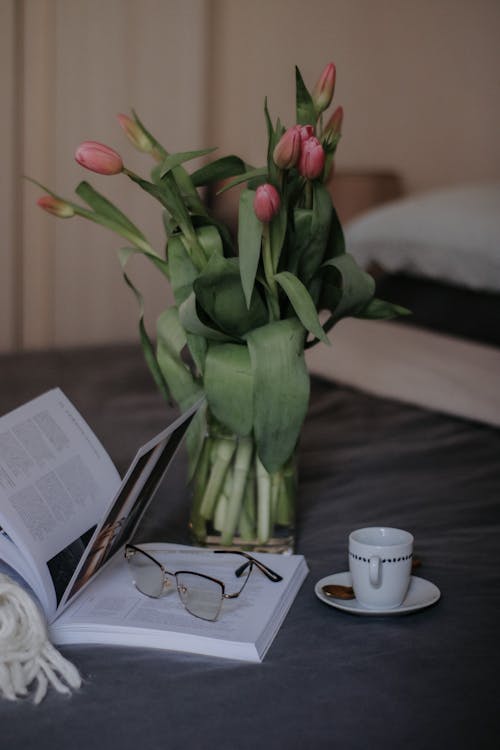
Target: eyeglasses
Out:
[200,594]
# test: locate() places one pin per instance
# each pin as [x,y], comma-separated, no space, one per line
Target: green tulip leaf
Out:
[118,226]
[197,346]
[204,220]
[336,240]
[273,136]
[269,124]
[192,322]
[105,208]
[313,253]
[169,195]
[175,160]
[300,238]
[281,389]
[220,169]
[195,440]
[302,303]
[347,289]
[171,339]
[245,177]
[219,293]
[228,382]
[182,178]
[306,112]
[182,269]
[277,233]
[378,309]
[147,347]
[210,240]
[157,145]
[249,243]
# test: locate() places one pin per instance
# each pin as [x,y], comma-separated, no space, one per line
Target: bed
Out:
[368,455]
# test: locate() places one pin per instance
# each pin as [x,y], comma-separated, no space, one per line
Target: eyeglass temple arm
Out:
[271,574]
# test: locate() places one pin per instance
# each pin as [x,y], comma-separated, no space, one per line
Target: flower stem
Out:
[247,518]
[222,502]
[241,465]
[267,258]
[275,489]
[263,503]
[308,194]
[201,474]
[223,452]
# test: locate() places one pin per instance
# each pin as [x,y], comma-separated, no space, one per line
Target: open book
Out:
[65,517]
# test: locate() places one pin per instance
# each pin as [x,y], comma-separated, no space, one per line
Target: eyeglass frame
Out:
[131,549]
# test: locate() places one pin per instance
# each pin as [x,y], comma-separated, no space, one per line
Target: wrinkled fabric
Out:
[330,679]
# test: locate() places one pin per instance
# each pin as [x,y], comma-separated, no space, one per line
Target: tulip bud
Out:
[312,159]
[135,133]
[323,91]
[266,203]
[306,131]
[287,151]
[334,125]
[98,158]
[56,207]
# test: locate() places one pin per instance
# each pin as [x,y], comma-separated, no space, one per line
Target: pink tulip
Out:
[135,133]
[266,203]
[322,93]
[287,151]
[56,206]
[98,158]
[306,131]
[312,159]
[334,125]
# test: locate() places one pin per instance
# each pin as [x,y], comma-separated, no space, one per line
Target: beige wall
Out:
[419,83]
[9,190]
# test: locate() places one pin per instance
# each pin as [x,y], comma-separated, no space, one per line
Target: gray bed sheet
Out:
[330,679]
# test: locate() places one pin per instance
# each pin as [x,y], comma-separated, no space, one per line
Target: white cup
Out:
[380,561]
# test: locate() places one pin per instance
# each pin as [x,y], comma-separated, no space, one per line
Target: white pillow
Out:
[450,235]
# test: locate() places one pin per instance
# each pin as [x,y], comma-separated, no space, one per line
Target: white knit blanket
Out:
[29,663]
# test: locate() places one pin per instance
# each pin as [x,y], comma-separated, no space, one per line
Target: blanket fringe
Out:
[27,656]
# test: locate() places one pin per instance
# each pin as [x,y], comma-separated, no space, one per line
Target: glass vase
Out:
[236,503]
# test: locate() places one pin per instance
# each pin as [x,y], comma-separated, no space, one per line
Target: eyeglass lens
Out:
[201,596]
[148,576]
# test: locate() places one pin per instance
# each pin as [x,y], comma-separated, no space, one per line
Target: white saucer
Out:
[421,593]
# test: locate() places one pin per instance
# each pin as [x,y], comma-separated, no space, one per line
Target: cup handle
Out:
[374,570]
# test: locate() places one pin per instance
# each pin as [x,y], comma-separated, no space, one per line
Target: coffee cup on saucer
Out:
[380,563]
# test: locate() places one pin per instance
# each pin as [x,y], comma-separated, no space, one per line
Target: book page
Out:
[130,502]
[56,480]
[113,604]
[12,557]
